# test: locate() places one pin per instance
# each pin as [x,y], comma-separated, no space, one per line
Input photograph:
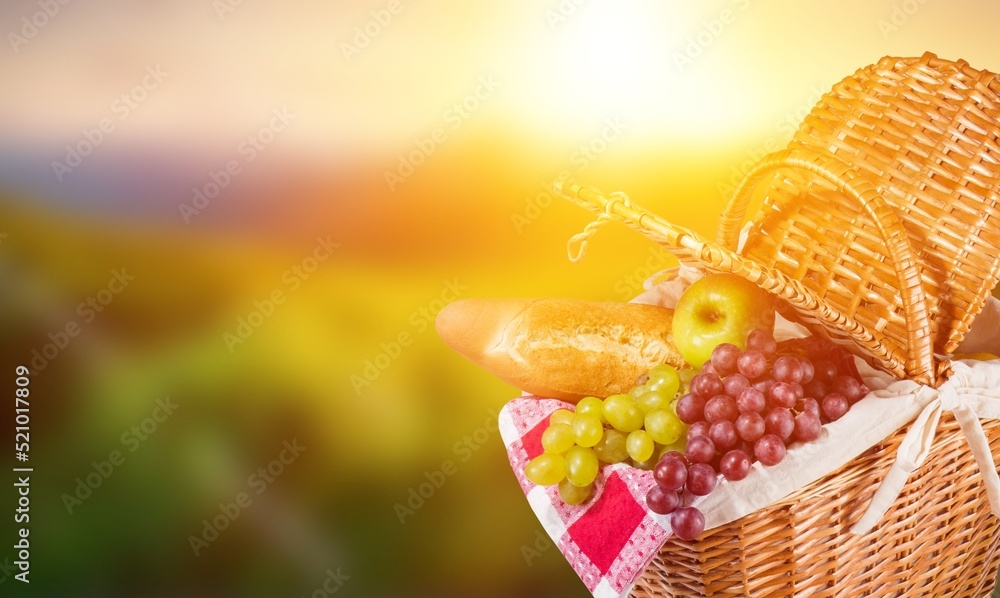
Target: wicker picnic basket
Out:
[879,229]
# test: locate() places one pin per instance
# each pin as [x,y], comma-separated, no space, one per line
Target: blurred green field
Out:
[334,506]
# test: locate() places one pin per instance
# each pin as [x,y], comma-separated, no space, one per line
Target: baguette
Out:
[561,348]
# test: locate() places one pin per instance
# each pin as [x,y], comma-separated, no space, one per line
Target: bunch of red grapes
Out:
[748,406]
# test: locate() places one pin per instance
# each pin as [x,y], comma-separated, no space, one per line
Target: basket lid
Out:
[924,132]
[880,226]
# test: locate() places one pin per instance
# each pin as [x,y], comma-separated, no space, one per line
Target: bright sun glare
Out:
[619,58]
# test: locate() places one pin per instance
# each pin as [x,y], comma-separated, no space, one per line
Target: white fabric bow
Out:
[973,392]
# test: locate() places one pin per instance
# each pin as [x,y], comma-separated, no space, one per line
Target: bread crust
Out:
[561,348]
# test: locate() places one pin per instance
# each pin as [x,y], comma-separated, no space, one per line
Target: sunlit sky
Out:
[519,84]
[226,73]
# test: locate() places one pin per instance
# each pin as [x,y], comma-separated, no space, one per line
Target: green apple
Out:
[716,309]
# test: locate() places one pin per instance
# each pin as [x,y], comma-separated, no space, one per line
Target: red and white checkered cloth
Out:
[608,540]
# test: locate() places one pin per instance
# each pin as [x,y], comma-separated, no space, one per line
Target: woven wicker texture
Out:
[939,538]
[880,225]
[880,230]
[922,132]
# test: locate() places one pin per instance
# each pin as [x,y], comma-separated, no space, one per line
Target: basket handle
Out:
[920,347]
[691,249]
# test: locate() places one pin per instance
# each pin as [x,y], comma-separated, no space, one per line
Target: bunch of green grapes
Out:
[637,427]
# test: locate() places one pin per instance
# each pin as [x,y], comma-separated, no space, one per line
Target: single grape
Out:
[834,406]
[701,479]
[591,406]
[691,408]
[735,384]
[558,438]
[663,426]
[640,445]
[780,422]
[653,399]
[763,341]
[723,435]
[581,466]
[587,429]
[724,358]
[783,395]
[662,501]
[787,369]
[752,364]
[670,473]
[642,380]
[700,449]
[661,370]
[735,465]
[623,413]
[707,386]
[708,368]
[750,400]
[849,387]
[699,428]
[807,426]
[546,469]
[611,448]
[750,426]
[572,494]
[561,416]
[808,370]
[769,450]
[665,378]
[687,523]
[826,371]
[721,407]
